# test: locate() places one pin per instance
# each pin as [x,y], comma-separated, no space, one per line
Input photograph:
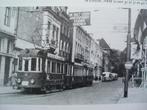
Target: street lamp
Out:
[128,65]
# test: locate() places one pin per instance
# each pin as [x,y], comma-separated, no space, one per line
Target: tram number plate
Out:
[25,83]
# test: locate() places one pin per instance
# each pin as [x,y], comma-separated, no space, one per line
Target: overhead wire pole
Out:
[128,53]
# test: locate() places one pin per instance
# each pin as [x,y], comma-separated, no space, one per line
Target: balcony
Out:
[79,58]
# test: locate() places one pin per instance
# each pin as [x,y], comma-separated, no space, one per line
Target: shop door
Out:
[7,68]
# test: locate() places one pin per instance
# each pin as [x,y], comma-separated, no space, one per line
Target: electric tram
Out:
[39,69]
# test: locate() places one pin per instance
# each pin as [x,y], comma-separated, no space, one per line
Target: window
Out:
[67,47]
[57,30]
[62,68]
[7,16]
[65,68]
[60,44]
[53,67]
[64,46]
[8,46]
[48,66]
[33,64]
[39,64]
[67,31]
[0,44]
[62,28]
[53,33]
[20,64]
[26,65]
[58,67]
[49,25]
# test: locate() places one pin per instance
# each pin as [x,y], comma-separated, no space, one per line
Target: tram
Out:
[38,69]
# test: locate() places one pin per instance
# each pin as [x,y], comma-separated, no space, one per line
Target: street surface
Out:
[98,93]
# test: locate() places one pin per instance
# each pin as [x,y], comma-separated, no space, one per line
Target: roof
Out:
[103,44]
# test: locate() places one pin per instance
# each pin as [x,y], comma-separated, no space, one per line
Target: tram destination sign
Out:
[80,18]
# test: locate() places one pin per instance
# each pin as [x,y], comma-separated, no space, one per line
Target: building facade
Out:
[106,55]
[8,24]
[81,51]
[96,58]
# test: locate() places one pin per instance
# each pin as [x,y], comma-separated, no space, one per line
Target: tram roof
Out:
[29,53]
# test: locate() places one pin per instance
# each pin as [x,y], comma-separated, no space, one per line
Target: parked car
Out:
[115,76]
[107,76]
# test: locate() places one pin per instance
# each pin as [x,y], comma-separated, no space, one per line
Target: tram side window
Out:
[26,65]
[33,64]
[20,64]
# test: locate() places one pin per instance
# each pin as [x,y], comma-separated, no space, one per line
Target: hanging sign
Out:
[80,18]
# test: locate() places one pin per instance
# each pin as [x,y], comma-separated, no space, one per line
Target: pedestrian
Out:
[13,79]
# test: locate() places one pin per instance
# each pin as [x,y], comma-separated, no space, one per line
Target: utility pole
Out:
[128,53]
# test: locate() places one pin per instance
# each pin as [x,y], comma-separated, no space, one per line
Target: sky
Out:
[104,22]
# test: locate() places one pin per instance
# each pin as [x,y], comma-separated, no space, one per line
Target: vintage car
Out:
[115,76]
[107,76]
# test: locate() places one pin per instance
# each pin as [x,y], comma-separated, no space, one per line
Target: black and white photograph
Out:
[71,55]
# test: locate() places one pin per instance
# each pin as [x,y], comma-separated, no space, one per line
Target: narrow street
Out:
[99,93]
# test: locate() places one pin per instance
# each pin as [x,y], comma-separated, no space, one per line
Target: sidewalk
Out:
[135,95]
[7,90]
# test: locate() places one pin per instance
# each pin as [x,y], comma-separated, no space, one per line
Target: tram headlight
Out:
[32,81]
[19,80]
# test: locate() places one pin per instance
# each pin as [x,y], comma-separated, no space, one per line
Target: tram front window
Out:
[33,64]
[26,65]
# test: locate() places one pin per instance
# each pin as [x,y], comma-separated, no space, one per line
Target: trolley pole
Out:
[128,53]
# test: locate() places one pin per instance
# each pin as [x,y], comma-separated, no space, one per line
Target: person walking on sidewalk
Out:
[13,79]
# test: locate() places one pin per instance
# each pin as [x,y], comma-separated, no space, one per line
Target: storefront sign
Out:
[80,18]
[55,57]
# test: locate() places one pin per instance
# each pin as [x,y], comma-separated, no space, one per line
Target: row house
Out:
[81,45]
[81,50]
[8,24]
[66,37]
[106,64]
[66,33]
[96,57]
